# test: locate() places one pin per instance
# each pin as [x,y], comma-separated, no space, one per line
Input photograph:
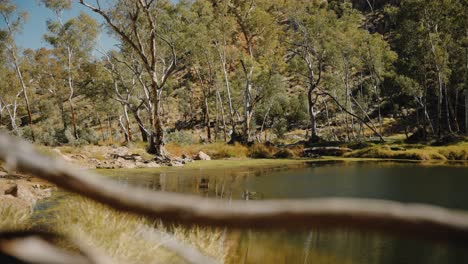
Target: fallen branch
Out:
[413,219]
[354,115]
[36,247]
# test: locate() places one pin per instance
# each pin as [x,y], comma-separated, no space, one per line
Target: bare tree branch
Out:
[416,219]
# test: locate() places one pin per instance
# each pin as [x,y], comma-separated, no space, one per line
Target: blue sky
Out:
[35,27]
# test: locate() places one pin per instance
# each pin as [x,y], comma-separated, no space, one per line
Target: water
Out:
[410,183]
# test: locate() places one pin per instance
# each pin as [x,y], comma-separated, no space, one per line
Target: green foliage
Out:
[233,65]
[181,137]
[280,127]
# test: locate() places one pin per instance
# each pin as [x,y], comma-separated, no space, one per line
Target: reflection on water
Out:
[444,186]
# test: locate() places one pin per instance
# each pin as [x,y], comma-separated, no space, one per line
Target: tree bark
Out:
[72,91]
[143,131]
[157,145]
[312,115]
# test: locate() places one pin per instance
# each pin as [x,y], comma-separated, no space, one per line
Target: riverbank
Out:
[23,191]
[18,196]
[135,156]
[103,226]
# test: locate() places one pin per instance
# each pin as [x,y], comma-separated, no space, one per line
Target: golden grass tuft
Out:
[261,151]
[218,150]
[124,237]
[11,218]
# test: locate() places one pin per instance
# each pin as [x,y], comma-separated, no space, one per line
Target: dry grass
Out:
[124,237]
[13,219]
[214,150]
[260,151]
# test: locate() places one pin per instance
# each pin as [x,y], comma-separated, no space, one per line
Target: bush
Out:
[284,154]
[181,137]
[88,136]
[260,151]
[280,127]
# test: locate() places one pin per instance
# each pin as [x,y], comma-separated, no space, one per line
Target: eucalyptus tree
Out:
[429,37]
[129,89]
[222,30]
[48,73]
[13,19]
[311,40]
[73,40]
[9,97]
[258,23]
[150,29]
[351,65]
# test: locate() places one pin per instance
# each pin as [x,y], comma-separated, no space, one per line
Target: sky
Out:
[35,27]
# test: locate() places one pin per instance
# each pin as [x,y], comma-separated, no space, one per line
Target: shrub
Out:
[260,151]
[284,154]
[280,127]
[181,137]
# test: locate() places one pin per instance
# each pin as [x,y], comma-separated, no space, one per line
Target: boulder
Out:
[175,164]
[202,156]
[14,203]
[12,190]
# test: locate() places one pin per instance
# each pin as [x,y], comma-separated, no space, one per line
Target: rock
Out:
[43,193]
[3,174]
[13,191]
[187,161]
[25,194]
[13,203]
[79,157]
[120,151]
[202,156]
[105,165]
[152,165]
[176,164]
[128,165]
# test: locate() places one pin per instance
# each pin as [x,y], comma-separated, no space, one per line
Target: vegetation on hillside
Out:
[238,71]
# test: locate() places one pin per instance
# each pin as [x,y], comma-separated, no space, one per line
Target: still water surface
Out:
[439,185]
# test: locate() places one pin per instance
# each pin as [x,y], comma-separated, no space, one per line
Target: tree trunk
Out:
[72,91]
[124,130]
[222,56]
[62,113]
[313,118]
[447,110]
[247,111]
[466,111]
[127,124]
[143,131]
[25,94]
[207,118]
[223,119]
[330,129]
[157,145]
[73,118]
